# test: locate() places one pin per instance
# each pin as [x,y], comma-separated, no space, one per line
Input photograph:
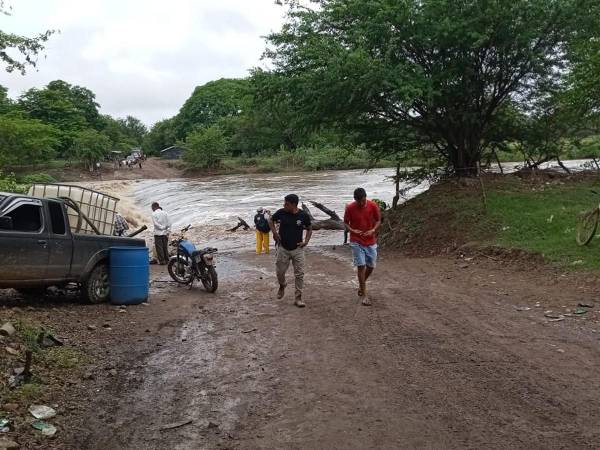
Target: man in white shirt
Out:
[162,228]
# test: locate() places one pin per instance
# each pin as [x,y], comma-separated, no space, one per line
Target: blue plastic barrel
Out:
[129,274]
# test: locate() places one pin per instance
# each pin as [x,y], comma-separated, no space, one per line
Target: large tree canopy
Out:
[211,102]
[436,70]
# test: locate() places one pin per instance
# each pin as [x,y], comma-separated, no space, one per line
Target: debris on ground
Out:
[11,351]
[46,340]
[552,315]
[585,305]
[46,428]
[7,443]
[581,311]
[7,329]
[4,425]
[174,425]
[523,308]
[42,411]
[249,331]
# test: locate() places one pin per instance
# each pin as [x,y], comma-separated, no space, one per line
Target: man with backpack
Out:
[262,230]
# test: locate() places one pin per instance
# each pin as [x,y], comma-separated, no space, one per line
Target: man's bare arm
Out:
[273,228]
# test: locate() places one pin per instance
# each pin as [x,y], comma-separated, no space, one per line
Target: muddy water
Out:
[213,204]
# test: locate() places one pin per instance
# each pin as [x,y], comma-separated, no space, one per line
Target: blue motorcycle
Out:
[190,264]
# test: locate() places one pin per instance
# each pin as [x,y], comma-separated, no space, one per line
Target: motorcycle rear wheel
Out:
[210,280]
[180,270]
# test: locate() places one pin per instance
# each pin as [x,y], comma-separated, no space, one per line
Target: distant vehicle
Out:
[42,247]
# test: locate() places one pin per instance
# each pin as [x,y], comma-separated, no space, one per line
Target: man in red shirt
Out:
[363,219]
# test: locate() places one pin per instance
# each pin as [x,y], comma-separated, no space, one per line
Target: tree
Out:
[68,108]
[205,148]
[90,147]
[211,102]
[5,102]
[27,48]
[133,128]
[160,136]
[26,141]
[442,68]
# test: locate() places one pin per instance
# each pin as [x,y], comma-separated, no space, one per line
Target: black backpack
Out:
[261,223]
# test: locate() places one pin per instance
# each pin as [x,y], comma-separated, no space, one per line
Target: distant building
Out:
[172,152]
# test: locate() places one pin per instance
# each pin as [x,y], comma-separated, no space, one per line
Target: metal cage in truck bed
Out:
[99,208]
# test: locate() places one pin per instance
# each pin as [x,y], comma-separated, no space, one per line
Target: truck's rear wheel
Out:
[96,289]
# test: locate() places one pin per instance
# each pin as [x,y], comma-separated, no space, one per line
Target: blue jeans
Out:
[364,255]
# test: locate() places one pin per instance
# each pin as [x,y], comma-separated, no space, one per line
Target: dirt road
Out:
[444,359]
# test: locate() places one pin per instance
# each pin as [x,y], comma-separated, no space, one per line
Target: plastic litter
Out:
[4,425]
[42,411]
[46,428]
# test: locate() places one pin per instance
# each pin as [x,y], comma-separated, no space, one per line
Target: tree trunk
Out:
[464,161]
[396,198]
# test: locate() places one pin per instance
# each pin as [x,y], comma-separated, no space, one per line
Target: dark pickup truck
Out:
[38,249]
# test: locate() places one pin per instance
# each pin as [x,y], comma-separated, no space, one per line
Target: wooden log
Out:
[241,223]
[334,223]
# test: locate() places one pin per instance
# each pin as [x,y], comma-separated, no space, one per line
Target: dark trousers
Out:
[161,244]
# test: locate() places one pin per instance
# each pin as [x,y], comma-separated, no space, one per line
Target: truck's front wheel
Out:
[96,289]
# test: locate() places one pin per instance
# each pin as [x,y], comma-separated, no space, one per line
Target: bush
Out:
[8,183]
[205,148]
[38,178]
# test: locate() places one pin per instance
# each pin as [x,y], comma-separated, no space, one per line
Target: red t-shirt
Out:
[363,219]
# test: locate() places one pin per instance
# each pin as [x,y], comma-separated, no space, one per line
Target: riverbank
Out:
[512,216]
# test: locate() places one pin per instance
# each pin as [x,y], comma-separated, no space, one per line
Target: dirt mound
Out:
[438,221]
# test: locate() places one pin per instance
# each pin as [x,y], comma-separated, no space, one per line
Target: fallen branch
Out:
[241,223]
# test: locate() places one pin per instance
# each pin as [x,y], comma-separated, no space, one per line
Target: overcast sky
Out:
[142,57]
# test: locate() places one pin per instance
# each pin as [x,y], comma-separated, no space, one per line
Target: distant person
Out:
[363,219]
[162,228]
[261,223]
[121,225]
[289,236]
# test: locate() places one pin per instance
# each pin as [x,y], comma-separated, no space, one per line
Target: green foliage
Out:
[544,221]
[18,52]
[401,74]
[205,148]
[26,141]
[382,205]
[133,129]
[210,103]
[5,102]
[70,109]
[160,136]
[37,178]
[8,183]
[90,147]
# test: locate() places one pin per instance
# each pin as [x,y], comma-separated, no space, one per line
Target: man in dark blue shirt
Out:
[289,236]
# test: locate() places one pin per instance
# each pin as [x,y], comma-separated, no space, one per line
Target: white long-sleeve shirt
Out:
[162,224]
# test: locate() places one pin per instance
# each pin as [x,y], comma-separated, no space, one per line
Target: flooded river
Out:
[213,204]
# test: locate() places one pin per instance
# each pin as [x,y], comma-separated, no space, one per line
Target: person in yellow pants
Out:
[262,230]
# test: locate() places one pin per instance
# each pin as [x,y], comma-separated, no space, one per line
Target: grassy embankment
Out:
[535,215]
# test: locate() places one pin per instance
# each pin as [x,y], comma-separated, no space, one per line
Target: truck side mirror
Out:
[6,223]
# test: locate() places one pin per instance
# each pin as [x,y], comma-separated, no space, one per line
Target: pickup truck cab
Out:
[38,249]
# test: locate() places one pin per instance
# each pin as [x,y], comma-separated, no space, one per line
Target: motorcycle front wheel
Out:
[210,280]
[180,270]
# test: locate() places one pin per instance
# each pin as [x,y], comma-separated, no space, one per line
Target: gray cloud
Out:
[135,66]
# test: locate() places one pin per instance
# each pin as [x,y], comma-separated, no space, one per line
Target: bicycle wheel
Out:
[586,228]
